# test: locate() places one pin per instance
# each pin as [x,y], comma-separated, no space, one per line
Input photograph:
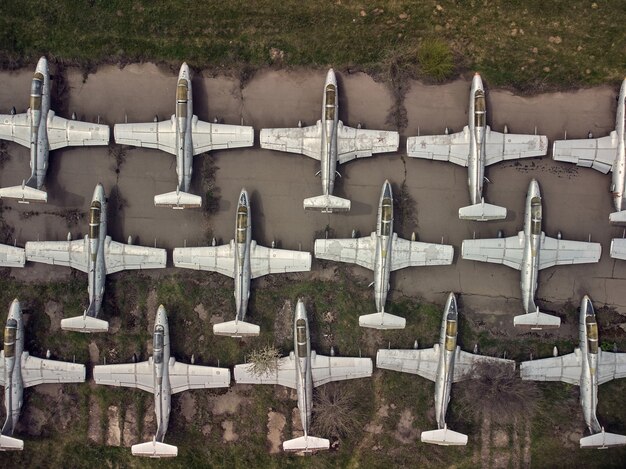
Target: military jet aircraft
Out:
[97,255]
[604,154]
[588,366]
[303,370]
[531,251]
[382,251]
[163,376]
[330,142]
[11,256]
[444,364]
[477,146]
[242,259]
[183,136]
[19,370]
[41,130]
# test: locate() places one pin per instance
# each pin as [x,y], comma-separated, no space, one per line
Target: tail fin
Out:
[537,320]
[327,204]
[602,440]
[236,329]
[306,443]
[444,437]
[482,212]
[25,193]
[618,217]
[382,320]
[8,443]
[178,200]
[85,323]
[154,449]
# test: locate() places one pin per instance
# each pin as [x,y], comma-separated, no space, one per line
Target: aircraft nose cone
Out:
[533,188]
[451,307]
[98,193]
[477,81]
[300,310]
[387,189]
[184,71]
[42,65]
[243,198]
[15,309]
[331,78]
[161,315]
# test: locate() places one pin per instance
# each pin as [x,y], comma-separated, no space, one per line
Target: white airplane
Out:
[11,256]
[531,251]
[19,370]
[183,136]
[163,376]
[475,147]
[444,364]
[588,366]
[41,130]
[383,252]
[604,154]
[332,143]
[303,370]
[242,259]
[96,255]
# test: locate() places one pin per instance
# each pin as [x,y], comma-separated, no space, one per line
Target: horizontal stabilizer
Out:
[602,440]
[236,329]
[8,443]
[618,217]
[327,204]
[444,437]
[154,449]
[482,212]
[178,200]
[537,320]
[382,321]
[24,193]
[618,248]
[306,443]
[85,324]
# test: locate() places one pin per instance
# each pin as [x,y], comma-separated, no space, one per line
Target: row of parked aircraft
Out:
[328,141]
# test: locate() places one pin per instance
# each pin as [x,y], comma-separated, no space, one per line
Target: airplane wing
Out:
[464,363]
[562,252]
[16,128]
[618,248]
[130,375]
[285,373]
[184,377]
[304,140]
[360,251]
[119,256]
[40,371]
[11,256]
[63,132]
[360,143]
[68,253]
[159,135]
[212,258]
[500,147]
[596,153]
[406,253]
[206,136]
[611,366]
[326,369]
[423,362]
[265,261]
[508,251]
[566,368]
[454,148]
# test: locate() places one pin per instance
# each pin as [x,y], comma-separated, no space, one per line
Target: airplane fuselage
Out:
[618,189]
[589,350]
[330,119]
[183,121]
[477,124]
[160,362]
[242,243]
[302,355]
[13,384]
[532,243]
[39,111]
[445,369]
[97,239]
[384,243]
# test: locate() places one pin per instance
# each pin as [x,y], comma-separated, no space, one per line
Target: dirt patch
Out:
[275,426]
[227,403]
[202,314]
[500,439]
[129,435]
[149,422]
[283,323]
[296,423]
[54,311]
[114,433]
[188,406]
[405,433]
[229,431]
[94,430]
[94,353]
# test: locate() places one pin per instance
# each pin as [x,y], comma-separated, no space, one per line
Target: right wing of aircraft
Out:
[129,375]
[212,258]
[119,256]
[454,148]
[206,136]
[67,132]
[508,251]
[11,256]
[611,366]
[159,135]
[566,368]
[265,261]
[465,362]
[618,248]
[360,143]
[360,251]
[284,374]
[563,252]
[41,371]
[596,153]
[406,253]
[68,253]
[304,140]
[499,147]
[184,377]
[423,362]
[326,369]
[16,128]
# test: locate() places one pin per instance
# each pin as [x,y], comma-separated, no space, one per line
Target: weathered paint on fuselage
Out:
[13,383]
[476,125]
[330,118]
[243,241]
[384,243]
[532,243]
[447,355]
[302,355]
[618,189]
[589,350]
[183,121]
[160,361]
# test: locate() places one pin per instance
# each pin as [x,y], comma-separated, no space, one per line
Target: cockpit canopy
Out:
[301,337]
[386,217]
[157,346]
[535,215]
[94,219]
[592,334]
[242,224]
[451,330]
[329,113]
[10,336]
[479,109]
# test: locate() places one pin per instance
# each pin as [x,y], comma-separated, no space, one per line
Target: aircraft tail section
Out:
[327,204]
[537,320]
[382,321]
[602,440]
[482,212]
[178,200]
[8,443]
[444,437]
[24,193]
[236,329]
[85,323]
[307,444]
[154,449]
[618,217]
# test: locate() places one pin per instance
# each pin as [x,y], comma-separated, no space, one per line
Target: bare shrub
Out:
[264,361]
[336,412]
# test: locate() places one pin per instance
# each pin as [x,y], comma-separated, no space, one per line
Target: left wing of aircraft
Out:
[454,148]
[596,153]
[618,248]
[360,143]
[423,362]
[566,368]
[16,128]
[304,140]
[562,252]
[265,261]
[184,377]
[119,256]
[212,258]
[11,256]
[159,135]
[130,375]
[63,132]
[360,251]
[500,147]
[508,251]
[465,362]
[40,371]
[611,366]
[206,136]
[326,369]
[284,374]
[68,253]
[406,253]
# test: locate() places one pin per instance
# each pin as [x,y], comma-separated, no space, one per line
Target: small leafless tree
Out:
[264,360]
[335,411]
